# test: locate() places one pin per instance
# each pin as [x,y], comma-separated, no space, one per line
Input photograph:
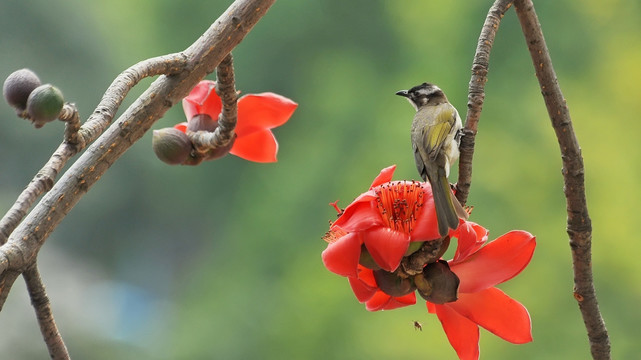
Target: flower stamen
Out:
[399,204]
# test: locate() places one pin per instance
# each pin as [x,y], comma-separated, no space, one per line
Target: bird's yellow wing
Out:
[438,130]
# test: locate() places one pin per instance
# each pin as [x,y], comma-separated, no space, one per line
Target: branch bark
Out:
[476,95]
[579,226]
[184,71]
[40,302]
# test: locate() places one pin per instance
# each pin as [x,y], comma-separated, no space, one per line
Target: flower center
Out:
[399,203]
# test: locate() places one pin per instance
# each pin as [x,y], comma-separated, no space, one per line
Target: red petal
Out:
[386,246]
[181,126]
[462,333]
[360,215]
[362,291]
[426,227]
[378,301]
[341,257]
[384,176]
[203,100]
[263,111]
[496,262]
[260,146]
[470,237]
[398,302]
[498,313]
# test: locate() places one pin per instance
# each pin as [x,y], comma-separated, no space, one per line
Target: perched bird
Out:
[435,138]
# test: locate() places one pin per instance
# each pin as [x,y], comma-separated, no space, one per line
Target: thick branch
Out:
[202,58]
[579,226]
[40,302]
[480,68]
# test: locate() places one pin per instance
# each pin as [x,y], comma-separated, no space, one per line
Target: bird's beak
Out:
[402,93]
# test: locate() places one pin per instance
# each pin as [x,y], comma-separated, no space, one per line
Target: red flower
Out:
[479,302]
[385,219]
[257,114]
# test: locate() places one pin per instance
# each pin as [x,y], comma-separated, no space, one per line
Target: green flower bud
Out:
[18,86]
[437,283]
[171,146]
[44,104]
[392,284]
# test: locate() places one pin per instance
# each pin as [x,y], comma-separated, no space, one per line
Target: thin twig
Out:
[210,142]
[480,68]
[579,225]
[40,302]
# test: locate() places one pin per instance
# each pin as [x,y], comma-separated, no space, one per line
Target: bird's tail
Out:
[445,211]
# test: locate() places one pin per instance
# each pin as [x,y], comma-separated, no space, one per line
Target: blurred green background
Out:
[222,261]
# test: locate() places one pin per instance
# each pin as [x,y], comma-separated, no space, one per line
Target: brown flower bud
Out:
[18,86]
[392,284]
[437,283]
[171,146]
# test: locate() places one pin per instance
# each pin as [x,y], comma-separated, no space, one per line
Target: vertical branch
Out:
[40,302]
[480,68]
[579,226]
[226,89]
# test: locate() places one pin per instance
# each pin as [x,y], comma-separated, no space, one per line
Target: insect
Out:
[418,325]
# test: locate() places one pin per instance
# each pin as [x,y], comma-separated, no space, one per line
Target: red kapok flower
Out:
[257,115]
[372,235]
[479,302]
[385,219]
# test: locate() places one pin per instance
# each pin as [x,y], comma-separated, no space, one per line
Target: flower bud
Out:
[437,283]
[171,146]
[44,104]
[392,284]
[367,260]
[202,122]
[18,86]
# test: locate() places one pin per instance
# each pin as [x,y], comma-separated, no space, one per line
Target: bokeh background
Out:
[222,261]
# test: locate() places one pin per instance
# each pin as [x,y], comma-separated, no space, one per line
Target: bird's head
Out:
[423,95]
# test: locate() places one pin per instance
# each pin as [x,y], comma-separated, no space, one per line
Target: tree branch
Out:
[579,226]
[199,59]
[40,302]
[476,96]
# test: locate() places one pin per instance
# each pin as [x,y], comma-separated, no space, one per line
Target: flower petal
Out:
[360,215]
[384,176]
[382,301]
[363,291]
[471,237]
[496,262]
[263,111]
[181,126]
[259,146]
[387,246]
[341,256]
[498,313]
[426,227]
[402,301]
[203,100]
[462,333]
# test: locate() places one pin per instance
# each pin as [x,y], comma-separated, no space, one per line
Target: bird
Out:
[436,135]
